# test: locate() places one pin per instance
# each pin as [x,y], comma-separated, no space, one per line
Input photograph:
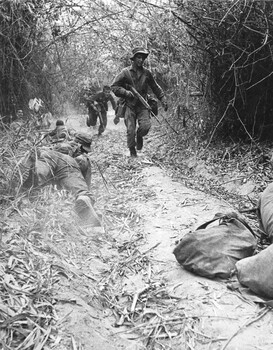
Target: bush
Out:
[231,51]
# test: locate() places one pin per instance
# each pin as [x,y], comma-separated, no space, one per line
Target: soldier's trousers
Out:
[94,116]
[50,166]
[138,117]
[63,170]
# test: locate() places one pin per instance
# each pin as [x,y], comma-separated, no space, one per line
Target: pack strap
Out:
[225,219]
[131,78]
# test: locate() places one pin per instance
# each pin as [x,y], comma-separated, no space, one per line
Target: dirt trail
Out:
[154,211]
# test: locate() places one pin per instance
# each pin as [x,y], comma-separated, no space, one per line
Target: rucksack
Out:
[213,251]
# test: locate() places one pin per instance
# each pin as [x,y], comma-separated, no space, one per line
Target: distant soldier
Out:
[97,108]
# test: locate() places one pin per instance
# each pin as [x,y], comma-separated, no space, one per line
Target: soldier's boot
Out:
[139,142]
[86,212]
[133,152]
[116,120]
[101,129]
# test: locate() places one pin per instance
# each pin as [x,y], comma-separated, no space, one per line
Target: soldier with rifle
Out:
[132,84]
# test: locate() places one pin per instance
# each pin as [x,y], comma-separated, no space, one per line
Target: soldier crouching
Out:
[43,166]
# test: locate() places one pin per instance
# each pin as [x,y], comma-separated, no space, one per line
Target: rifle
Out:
[141,98]
[146,105]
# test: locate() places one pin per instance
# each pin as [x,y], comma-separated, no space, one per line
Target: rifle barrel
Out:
[146,104]
[141,98]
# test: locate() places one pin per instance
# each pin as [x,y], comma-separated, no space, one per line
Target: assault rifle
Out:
[146,105]
[141,99]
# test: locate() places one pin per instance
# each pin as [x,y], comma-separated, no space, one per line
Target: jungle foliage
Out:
[232,51]
[220,49]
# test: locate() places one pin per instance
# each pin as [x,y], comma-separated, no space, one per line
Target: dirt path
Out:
[125,289]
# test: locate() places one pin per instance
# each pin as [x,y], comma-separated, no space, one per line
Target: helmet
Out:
[59,122]
[137,50]
[84,140]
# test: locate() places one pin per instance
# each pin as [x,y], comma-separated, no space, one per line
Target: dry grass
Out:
[30,224]
[31,265]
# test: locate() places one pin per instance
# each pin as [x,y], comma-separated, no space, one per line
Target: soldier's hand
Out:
[164,103]
[116,120]
[129,95]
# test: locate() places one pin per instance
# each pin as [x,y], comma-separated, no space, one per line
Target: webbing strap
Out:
[226,218]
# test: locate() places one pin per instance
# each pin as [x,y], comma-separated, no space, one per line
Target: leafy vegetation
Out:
[233,56]
[220,49]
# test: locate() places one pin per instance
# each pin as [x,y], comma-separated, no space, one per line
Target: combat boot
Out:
[133,152]
[139,142]
[116,120]
[86,212]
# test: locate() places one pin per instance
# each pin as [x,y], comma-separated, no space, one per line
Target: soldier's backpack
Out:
[213,251]
[84,139]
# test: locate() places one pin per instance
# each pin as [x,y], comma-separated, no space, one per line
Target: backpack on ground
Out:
[213,251]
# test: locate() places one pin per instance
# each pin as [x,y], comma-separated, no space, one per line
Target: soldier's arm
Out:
[94,98]
[119,85]
[52,132]
[113,102]
[157,90]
